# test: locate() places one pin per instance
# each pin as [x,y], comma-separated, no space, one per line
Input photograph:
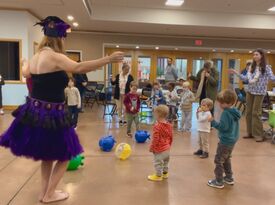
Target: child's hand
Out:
[132,108]
[199,110]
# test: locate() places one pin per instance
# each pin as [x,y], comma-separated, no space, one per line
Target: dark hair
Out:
[248,64]
[71,79]
[173,85]
[262,63]
[227,96]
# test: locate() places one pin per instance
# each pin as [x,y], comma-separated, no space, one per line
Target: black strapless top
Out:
[49,86]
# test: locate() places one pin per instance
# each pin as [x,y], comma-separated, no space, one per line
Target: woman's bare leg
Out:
[46,171]
[57,174]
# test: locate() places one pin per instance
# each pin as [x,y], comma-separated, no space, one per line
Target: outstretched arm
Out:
[65,63]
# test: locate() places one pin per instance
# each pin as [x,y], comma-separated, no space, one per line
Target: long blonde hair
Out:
[54,43]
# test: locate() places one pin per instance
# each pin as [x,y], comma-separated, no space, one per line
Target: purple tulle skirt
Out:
[42,131]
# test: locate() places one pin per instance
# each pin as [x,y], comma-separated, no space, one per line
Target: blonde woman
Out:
[122,83]
[41,129]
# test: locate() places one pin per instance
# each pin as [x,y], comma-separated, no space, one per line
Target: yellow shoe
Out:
[154,177]
[165,176]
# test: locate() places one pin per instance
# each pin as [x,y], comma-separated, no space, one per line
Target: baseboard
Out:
[10,107]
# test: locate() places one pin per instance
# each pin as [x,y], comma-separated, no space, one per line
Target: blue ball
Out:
[141,136]
[106,144]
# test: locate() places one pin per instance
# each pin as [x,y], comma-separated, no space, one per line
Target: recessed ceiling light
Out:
[232,51]
[176,49]
[214,50]
[117,46]
[70,17]
[268,52]
[174,2]
[137,47]
[250,51]
[200,57]
[75,24]
[157,48]
[272,9]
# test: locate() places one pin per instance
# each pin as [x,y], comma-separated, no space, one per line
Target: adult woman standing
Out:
[257,77]
[208,78]
[122,83]
[41,129]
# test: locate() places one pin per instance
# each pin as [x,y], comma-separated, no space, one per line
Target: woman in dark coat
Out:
[122,86]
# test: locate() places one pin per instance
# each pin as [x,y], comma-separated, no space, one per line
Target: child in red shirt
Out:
[161,143]
[132,105]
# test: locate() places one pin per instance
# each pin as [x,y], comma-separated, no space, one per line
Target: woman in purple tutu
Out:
[42,129]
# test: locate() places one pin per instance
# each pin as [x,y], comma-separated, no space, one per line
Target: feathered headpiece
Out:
[53,26]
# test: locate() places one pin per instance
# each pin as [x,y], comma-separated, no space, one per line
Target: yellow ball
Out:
[123,151]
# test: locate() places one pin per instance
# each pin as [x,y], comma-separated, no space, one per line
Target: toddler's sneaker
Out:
[154,177]
[165,175]
[228,180]
[214,183]
[2,112]
[204,155]
[198,153]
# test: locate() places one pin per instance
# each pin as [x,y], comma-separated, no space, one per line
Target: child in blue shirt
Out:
[228,132]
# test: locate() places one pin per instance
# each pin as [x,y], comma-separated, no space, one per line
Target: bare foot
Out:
[41,196]
[57,196]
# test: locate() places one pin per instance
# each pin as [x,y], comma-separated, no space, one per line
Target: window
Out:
[10,60]
[197,66]
[144,66]
[162,63]
[181,66]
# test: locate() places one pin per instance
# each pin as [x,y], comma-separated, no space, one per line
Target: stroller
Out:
[269,133]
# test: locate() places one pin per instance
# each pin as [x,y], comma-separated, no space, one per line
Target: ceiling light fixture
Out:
[214,50]
[250,51]
[174,2]
[70,17]
[75,24]
[268,52]
[176,49]
[272,8]
[117,46]
[232,51]
[157,48]
[137,47]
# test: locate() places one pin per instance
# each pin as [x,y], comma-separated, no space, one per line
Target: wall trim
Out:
[10,107]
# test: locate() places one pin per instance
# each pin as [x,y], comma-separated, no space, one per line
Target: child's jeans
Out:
[204,141]
[186,120]
[223,162]
[73,110]
[173,110]
[130,118]
[161,161]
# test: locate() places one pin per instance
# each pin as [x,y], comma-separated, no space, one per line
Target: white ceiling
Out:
[212,18]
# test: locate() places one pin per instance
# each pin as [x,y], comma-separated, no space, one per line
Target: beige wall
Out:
[92,44]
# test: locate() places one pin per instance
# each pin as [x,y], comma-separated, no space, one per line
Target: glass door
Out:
[233,79]
[181,67]
[218,64]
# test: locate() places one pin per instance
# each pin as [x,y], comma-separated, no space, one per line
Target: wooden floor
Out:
[104,180]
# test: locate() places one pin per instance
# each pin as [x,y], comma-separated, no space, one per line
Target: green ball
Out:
[76,162]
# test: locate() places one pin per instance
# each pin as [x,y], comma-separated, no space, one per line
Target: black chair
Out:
[109,103]
[144,104]
[89,97]
[241,99]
